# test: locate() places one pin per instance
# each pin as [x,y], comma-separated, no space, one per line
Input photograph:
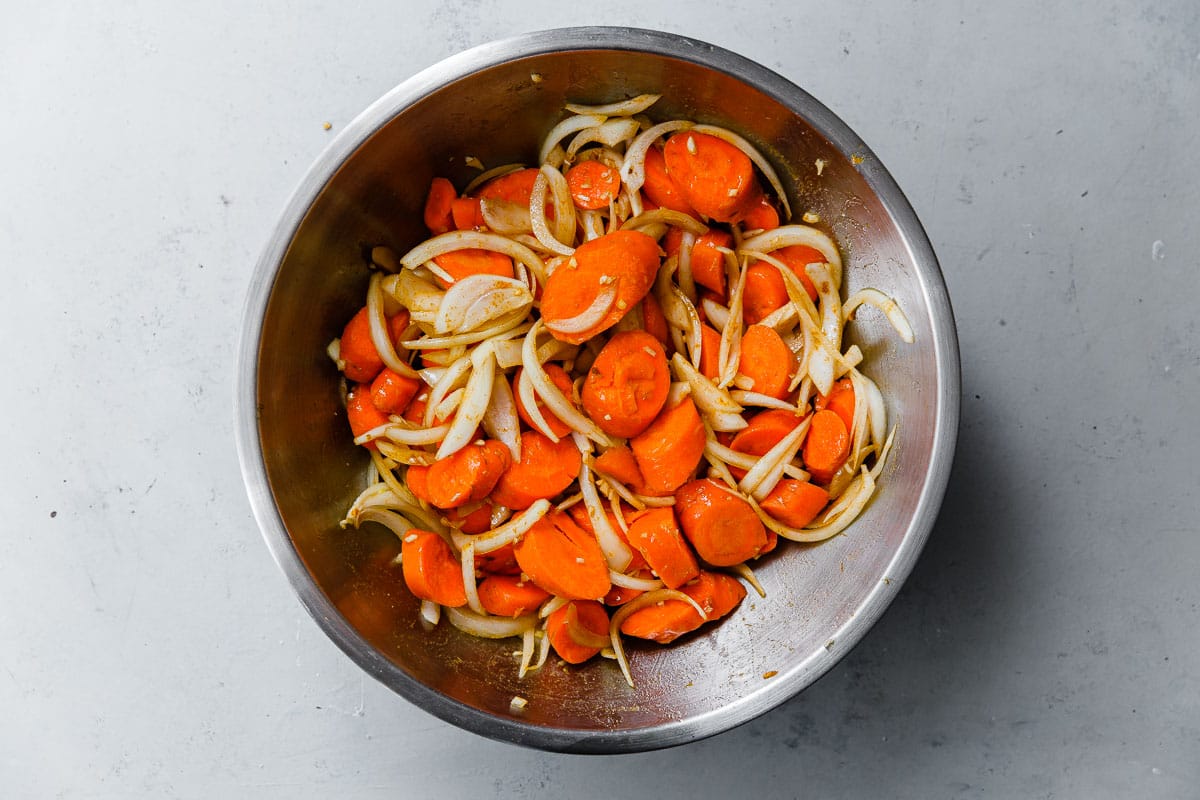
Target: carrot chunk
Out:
[721,525]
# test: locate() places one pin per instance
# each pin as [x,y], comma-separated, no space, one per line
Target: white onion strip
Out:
[730,353]
[474,402]
[474,240]
[403,434]
[747,398]
[590,317]
[759,161]
[616,552]
[633,171]
[830,304]
[487,175]
[380,336]
[467,560]
[763,476]
[637,604]
[501,421]
[744,572]
[609,133]
[529,400]
[527,643]
[431,614]
[505,216]
[489,627]
[451,378]
[735,458]
[887,305]
[549,239]
[478,299]
[623,108]
[504,534]
[666,216]
[564,129]
[788,235]
[513,325]
[411,507]
[396,523]
[554,399]
[633,582]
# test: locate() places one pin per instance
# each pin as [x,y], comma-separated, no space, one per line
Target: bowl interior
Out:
[820,599]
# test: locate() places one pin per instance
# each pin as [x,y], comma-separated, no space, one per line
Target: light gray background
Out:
[1047,644]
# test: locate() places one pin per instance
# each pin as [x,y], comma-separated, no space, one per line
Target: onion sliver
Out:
[591,316]
[666,216]
[552,396]
[505,216]
[564,129]
[744,572]
[396,523]
[504,534]
[431,614]
[411,507]
[489,627]
[623,108]
[631,582]
[759,161]
[529,400]
[487,175]
[728,455]
[467,561]
[830,304]
[527,642]
[730,353]
[616,552]
[474,403]
[708,397]
[633,171]
[788,235]
[510,326]
[451,378]
[380,337]
[461,311]
[887,305]
[579,633]
[500,421]
[551,240]
[716,313]
[474,240]
[763,476]
[403,434]
[610,134]
[637,604]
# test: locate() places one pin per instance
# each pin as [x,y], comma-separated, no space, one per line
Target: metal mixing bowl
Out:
[495,103]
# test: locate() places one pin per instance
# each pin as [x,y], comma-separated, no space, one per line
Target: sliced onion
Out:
[474,404]
[474,240]
[505,216]
[616,552]
[552,605]
[467,560]
[564,129]
[509,326]
[431,614]
[590,317]
[452,377]
[624,108]
[845,511]
[788,235]
[745,398]
[709,398]
[687,283]
[728,455]
[633,171]
[489,627]
[579,632]
[527,643]
[830,304]
[551,240]
[609,133]
[637,604]
[887,305]
[716,313]
[411,507]
[694,335]
[394,522]
[744,572]
[476,300]
[403,454]
[504,534]
[487,175]
[759,161]
[666,216]
[403,434]
[413,292]
[763,476]
[634,582]
[501,420]
[592,223]
[730,353]
[380,336]
[532,408]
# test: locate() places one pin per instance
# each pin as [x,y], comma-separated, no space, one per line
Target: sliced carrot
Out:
[357,349]
[721,525]
[761,216]
[461,263]
[431,569]
[826,446]
[438,217]
[391,392]
[468,474]
[593,185]
[477,521]
[708,263]
[710,352]
[767,361]
[763,431]
[765,292]
[579,513]
[563,559]
[660,188]
[624,260]
[670,449]
[509,596]
[515,187]
[656,536]
[795,503]
[545,469]
[714,177]
[417,480]
[562,380]
[362,413]
[627,384]
[840,401]
[654,322]
[586,613]
[466,213]
[715,592]
[619,462]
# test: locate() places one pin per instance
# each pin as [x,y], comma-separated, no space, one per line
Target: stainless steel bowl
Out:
[495,102]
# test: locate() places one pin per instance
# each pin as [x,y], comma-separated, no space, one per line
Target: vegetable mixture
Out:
[606,384]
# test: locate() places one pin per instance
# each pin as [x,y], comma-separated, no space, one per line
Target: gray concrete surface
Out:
[1046,645]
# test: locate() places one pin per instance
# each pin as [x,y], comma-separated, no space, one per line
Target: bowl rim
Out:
[249,446]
